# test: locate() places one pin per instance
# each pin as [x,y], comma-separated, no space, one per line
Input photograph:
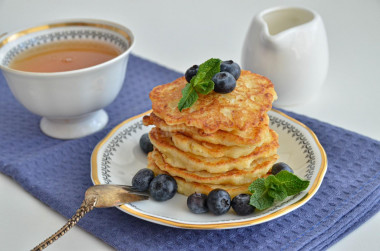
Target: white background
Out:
[178,34]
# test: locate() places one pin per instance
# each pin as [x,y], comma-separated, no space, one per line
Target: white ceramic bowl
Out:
[71,103]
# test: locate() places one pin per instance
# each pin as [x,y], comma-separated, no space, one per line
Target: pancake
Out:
[258,169]
[188,188]
[205,149]
[241,109]
[191,162]
[252,136]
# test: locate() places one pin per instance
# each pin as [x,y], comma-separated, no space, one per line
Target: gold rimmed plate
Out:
[117,158]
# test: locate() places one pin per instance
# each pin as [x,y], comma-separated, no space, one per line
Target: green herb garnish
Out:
[201,83]
[275,187]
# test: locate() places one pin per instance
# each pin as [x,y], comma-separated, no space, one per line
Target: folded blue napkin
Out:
[57,172]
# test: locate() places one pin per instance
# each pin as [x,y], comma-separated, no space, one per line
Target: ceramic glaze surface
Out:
[289,46]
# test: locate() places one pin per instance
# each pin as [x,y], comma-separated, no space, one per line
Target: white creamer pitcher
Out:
[288,45]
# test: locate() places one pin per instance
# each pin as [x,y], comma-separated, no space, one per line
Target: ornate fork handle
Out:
[84,209]
[97,196]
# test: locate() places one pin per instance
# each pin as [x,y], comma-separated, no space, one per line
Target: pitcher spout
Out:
[282,20]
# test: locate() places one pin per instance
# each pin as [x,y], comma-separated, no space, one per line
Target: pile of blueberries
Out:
[225,80]
[162,187]
[219,202]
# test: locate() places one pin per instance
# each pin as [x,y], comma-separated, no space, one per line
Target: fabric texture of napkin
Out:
[57,172]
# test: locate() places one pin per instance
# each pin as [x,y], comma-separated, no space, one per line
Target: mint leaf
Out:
[260,197]
[201,83]
[206,71]
[204,87]
[291,182]
[276,190]
[275,187]
[189,96]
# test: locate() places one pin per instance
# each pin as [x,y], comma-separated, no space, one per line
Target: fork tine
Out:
[133,190]
[114,195]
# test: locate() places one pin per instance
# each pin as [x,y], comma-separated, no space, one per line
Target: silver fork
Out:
[100,196]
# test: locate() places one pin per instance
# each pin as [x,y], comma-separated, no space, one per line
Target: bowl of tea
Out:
[67,72]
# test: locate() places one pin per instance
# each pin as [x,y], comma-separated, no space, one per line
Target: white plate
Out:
[117,158]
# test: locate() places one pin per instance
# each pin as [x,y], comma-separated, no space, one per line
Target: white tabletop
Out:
[178,34]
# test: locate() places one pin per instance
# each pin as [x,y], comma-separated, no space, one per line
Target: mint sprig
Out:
[201,83]
[275,188]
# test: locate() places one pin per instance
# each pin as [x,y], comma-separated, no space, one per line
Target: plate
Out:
[117,158]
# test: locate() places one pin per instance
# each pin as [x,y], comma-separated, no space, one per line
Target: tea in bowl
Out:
[67,72]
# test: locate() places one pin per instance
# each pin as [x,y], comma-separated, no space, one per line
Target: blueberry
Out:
[191,72]
[163,187]
[197,203]
[218,201]
[145,144]
[231,67]
[142,179]
[224,82]
[240,204]
[278,167]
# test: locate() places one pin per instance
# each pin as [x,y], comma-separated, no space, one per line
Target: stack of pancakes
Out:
[222,141]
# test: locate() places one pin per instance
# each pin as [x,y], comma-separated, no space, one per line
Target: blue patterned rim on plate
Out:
[112,147]
[299,137]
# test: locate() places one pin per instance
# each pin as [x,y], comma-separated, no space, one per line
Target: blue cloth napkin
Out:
[57,172]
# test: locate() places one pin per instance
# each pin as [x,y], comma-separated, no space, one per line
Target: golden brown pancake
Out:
[205,149]
[251,136]
[258,169]
[188,188]
[241,109]
[191,162]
